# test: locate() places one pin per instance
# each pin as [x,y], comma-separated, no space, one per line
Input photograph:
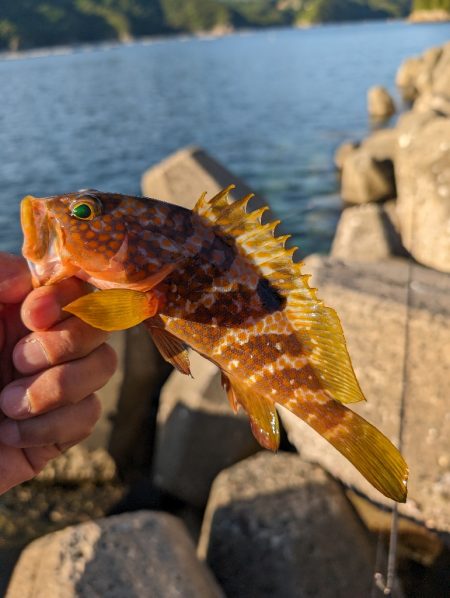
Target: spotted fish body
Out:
[219,281]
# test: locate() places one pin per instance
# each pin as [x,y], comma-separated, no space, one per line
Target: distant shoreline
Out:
[104,45]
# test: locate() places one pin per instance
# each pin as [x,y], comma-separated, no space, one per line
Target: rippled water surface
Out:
[270,105]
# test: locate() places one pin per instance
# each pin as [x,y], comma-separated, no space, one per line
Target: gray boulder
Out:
[381,145]
[380,104]
[371,302]
[423,183]
[366,178]
[138,554]
[415,75]
[185,175]
[366,233]
[198,433]
[276,526]
[441,73]
[133,420]
[343,151]
[435,105]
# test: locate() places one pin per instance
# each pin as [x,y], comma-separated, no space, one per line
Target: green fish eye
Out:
[82,211]
[85,209]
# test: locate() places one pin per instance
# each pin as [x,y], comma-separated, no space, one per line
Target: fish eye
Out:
[85,209]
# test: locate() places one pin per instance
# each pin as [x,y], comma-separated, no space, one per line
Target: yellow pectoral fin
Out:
[114,309]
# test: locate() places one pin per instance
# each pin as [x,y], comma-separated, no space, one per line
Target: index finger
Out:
[15,279]
[43,307]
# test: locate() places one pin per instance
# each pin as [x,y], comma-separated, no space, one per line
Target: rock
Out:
[380,104]
[343,151]
[79,465]
[423,181]
[410,124]
[415,75]
[366,178]
[381,145]
[371,302]
[366,233]
[198,434]
[129,401]
[186,174]
[277,526]
[134,420]
[441,74]
[428,102]
[136,554]
[407,76]
[109,396]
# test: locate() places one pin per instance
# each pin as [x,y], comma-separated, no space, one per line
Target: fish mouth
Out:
[41,242]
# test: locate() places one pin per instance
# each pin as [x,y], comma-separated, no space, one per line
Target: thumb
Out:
[15,279]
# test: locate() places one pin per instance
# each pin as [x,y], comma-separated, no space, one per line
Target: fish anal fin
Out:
[172,349]
[261,412]
[114,309]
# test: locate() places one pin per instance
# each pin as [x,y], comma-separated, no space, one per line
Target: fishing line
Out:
[386,584]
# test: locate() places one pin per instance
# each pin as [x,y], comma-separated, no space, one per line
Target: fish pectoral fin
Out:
[260,410]
[114,309]
[172,349]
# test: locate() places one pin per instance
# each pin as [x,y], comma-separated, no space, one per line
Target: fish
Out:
[216,279]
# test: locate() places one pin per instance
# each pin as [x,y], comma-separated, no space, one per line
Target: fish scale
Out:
[219,281]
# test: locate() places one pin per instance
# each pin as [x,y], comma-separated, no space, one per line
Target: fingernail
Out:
[14,401]
[30,356]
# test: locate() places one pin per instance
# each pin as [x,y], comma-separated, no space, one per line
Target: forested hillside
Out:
[31,23]
[431,5]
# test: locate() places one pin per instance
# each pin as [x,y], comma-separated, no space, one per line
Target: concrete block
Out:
[198,434]
[277,526]
[371,301]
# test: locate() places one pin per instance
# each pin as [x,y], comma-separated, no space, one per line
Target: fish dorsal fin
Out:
[316,326]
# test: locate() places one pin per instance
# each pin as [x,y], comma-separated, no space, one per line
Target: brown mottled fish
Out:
[218,280]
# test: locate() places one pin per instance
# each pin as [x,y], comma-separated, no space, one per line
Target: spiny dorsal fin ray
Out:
[316,325]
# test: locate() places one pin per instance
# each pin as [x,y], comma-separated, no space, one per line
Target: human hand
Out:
[51,363]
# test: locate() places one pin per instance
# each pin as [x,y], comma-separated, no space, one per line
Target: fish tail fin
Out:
[373,455]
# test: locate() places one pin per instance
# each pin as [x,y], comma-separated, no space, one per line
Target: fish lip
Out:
[41,242]
[33,219]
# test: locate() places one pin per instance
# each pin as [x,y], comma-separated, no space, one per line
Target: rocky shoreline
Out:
[216,516]
[402,172]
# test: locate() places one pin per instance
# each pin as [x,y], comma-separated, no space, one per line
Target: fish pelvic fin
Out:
[317,326]
[260,410]
[114,309]
[172,349]
[373,455]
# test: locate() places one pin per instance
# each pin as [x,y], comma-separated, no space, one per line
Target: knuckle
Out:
[58,376]
[68,344]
